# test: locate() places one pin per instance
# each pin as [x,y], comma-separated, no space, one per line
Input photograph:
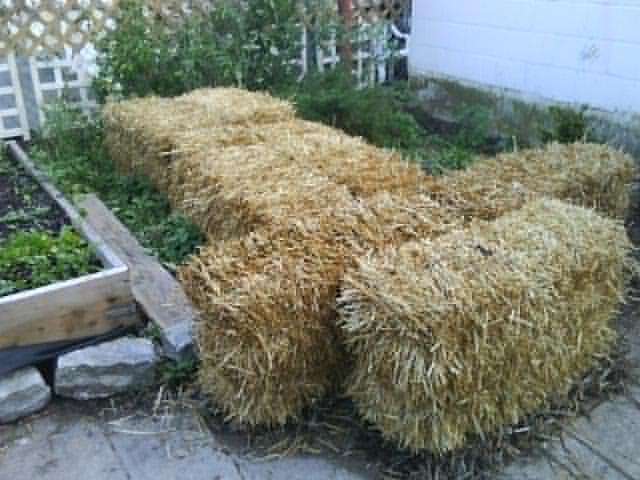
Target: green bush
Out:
[567,125]
[374,113]
[380,115]
[253,47]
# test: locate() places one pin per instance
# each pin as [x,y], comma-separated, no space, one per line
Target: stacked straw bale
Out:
[243,189]
[146,135]
[364,169]
[295,203]
[591,175]
[267,330]
[470,331]
[267,341]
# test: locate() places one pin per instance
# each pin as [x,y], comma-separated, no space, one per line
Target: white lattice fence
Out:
[13,118]
[58,77]
[53,77]
[374,46]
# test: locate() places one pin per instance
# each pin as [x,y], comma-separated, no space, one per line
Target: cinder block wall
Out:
[578,51]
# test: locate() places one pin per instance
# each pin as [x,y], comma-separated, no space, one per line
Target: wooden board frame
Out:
[157,292]
[70,310]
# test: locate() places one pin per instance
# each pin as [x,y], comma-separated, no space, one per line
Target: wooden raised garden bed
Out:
[73,310]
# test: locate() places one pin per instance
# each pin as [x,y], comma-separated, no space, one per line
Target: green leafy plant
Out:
[34,259]
[374,113]
[178,372]
[474,126]
[72,152]
[153,332]
[566,125]
[252,45]
[381,115]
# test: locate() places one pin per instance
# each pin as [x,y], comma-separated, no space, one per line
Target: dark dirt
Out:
[24,205]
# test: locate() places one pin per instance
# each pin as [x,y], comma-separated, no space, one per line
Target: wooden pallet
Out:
[70,310]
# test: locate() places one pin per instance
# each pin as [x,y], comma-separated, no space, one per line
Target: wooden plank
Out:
[75,309]
[104,253]
[155,289]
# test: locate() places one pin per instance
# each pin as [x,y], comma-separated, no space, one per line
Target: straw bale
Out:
[591,175]
[364,169]
[396,219]
[221,106]
[241,189]
[459,335]
[146,135]
[140,132]
[266,331]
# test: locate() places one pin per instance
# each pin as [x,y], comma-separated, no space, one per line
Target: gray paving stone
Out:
[59,449]
[151,450]
[297,468]
[22,393]
[106,369]
[604,446]
[66,445]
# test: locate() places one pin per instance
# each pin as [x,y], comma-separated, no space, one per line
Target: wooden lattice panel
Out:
[377,10]
[50,25]
[13,118]
[37,26]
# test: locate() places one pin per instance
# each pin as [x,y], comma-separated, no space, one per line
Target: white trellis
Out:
[57,77]
[372,52]
[13,117]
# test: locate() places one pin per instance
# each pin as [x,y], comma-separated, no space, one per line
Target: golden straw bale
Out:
[266,329]
[241,189]
[140,133]
[221,106]
[364,169]
[462,334]
[145,135]
[591,175]
[397,219]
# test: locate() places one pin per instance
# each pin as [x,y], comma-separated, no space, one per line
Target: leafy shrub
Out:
[174,373]
[252,46]
[34,259]
[474,126]
[567,125]
[374,113]
[381,115]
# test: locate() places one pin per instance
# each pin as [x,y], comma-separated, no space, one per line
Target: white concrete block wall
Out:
[582,51]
